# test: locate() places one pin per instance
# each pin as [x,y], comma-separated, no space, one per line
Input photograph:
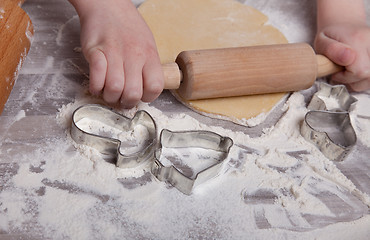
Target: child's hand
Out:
[348,46]
[121,51]
[344,38]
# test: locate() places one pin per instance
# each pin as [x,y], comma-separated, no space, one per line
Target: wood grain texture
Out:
[326,67]
[231,72]
[246,70]
[15,32]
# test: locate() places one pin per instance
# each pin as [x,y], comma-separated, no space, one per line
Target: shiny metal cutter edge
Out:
[319,112]
[339,92]
[188,139]
[331,149]
[111,146]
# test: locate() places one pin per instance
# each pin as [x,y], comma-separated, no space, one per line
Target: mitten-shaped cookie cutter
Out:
[329,127]
[112,146]
[190,139]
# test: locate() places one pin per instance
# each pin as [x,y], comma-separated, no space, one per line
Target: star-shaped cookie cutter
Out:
[190,139]
[329,127]
[339,93]
[112,146]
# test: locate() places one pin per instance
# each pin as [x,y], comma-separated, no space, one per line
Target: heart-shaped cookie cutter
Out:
[190,139]
[112,146]
[329,127]
[331,132]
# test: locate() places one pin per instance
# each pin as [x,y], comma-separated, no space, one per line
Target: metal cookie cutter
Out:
[338,95]
[329,127]
[112,146]
[190,139]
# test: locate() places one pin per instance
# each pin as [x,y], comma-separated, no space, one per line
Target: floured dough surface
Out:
[180,25]
[238,107]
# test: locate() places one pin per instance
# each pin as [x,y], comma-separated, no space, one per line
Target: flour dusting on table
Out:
[269,185]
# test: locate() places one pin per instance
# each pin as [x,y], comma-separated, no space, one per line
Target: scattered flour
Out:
[22,57]
[61,29]
[23,54]
[132,140]
[189,161]
[21,114]
[29,33]
[331,103]
[273,186]
[361,122]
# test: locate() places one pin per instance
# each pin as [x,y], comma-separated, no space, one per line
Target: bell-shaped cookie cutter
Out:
[111,146]
[189,139]
[328,127]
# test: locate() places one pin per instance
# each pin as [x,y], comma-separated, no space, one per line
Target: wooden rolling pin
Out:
[227,72]
[16,29]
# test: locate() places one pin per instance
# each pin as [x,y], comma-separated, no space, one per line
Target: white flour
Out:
[132,140]
[61,29]
[331,103]
[270,185]
[189,161]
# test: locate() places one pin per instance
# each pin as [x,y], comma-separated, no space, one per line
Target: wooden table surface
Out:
[50,79]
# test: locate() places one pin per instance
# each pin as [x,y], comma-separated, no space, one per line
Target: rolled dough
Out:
[179,25]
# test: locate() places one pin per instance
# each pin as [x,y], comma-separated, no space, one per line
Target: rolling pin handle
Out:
[326,67]
[172,75]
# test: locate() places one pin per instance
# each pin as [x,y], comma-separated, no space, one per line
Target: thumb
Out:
[336,51]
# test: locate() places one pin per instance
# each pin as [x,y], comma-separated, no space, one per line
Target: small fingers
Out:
[360,86]
[143,81]
[153,80]
[144,84]
[338,52]
[347,46]
[353,82]
[98,70]
[133,89]
[356,76]
[106,75]
[345,77]
[357,86]
[125,82]
[115,80]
